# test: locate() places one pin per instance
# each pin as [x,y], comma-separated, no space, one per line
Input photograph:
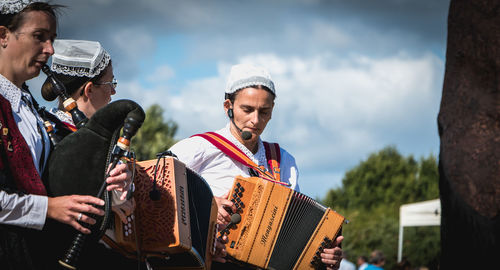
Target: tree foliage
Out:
[370,197]
[155,135]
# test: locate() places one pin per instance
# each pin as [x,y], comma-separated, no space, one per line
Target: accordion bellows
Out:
[279,228]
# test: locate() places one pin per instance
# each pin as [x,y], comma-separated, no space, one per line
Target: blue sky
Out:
[351,76]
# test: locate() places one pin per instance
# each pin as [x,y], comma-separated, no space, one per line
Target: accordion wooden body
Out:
[279,228]
[178,231]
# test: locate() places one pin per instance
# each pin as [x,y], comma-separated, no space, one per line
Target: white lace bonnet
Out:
[80,58]
[13,6]
[244,75]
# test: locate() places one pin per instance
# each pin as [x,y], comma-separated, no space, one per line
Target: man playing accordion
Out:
[249,102]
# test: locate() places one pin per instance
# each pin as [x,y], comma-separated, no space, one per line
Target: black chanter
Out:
[79,165]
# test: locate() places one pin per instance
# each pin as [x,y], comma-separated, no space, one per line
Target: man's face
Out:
[252,109]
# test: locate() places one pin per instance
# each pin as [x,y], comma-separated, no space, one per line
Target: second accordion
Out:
[178,229]
[279,228]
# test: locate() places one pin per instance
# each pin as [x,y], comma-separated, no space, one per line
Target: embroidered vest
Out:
[16,157]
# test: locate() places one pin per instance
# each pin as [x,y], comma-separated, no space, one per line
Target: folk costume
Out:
[24,148]
[76,62]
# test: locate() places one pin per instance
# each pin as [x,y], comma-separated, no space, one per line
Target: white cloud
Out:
[134,43]
[328,116]
[161,74]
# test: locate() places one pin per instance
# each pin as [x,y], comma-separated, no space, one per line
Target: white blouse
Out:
[219,170]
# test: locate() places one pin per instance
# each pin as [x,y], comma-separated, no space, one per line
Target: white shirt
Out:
[346,265]
[27,211]
[219,170]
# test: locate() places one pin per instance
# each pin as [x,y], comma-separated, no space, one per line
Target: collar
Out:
[10,92]
[259,157]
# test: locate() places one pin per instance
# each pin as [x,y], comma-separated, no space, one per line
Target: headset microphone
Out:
[245,135]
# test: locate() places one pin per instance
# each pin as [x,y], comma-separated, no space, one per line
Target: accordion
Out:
[279,227]
[176,231]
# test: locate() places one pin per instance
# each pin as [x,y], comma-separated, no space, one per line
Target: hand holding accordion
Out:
[279,227]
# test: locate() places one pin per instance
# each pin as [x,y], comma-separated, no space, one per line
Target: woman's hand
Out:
[74,208]
[120,179]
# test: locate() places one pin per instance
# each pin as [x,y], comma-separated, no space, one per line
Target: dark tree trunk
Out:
[469,128]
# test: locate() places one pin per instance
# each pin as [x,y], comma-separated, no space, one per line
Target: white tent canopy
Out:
[426,213]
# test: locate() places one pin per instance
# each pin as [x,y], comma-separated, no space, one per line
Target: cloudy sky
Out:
[352,76]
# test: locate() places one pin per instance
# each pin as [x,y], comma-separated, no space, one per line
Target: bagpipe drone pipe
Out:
[278,228]
[174,222]
[79,165]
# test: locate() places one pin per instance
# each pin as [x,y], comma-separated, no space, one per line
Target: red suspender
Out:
[273,156]
[235,153]
[69,126]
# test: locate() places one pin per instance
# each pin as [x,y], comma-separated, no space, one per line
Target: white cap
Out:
[13,6]
[79,58]
[244,75]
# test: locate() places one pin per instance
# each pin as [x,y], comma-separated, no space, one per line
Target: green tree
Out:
[370,197]
[155,135]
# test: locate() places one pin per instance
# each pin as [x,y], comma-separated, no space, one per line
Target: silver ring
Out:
[79,216]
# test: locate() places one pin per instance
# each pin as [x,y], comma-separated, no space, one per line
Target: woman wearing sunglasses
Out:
[85,69]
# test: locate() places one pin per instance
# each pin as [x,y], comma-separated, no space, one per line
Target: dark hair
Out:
[16,20]
[377,257]
[233,95]
[71,83]
[364,258]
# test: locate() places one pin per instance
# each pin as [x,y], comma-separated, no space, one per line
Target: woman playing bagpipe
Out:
[86,71]
[27,31]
